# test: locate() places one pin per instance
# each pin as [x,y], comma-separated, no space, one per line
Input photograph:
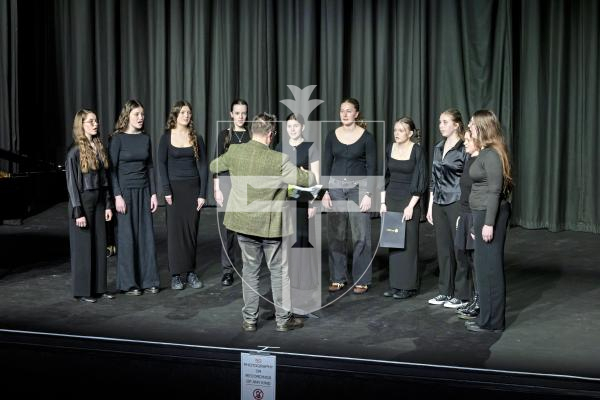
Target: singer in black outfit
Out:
[90,204]
[464,241]
[349,160]
[183,175]
[449,157]
[134,189]
[237,133]
[405,183]
[492,184]
[304,268]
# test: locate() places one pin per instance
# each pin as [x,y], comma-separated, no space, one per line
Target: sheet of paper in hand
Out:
[393,230]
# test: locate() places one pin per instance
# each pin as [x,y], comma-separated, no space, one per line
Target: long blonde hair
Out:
[489,135]
[87,155]
[172,124]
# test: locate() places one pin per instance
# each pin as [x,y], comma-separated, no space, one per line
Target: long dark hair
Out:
[123,120]
[229,132]
[172,124]
[488,134]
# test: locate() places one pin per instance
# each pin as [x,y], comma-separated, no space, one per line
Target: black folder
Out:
[393,230]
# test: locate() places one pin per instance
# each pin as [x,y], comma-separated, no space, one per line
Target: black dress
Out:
[89,196]
[303,264]
[133,178]
[184,178]
[403,180]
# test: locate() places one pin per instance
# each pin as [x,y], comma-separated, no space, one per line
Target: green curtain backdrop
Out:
[534,63]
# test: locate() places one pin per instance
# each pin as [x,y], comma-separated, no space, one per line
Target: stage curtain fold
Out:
[9,73]
[556,105]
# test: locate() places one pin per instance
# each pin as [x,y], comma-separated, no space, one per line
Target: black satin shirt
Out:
[446,173]
[78,182]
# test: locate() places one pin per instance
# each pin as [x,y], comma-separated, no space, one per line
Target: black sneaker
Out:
[439,299]
[455,303]
[291,323]
[176,283]
[133,292]
[404,294]
[227,279]
[469,314]
[152,290]
[193,281]
[465,307]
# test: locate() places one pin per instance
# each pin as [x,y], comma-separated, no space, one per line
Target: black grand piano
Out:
[36,186]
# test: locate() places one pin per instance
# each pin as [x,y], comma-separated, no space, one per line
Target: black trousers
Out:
[230,250]
[403,263]
[489,264]
[88,246]
[182,226]
[454,278]
[465,245]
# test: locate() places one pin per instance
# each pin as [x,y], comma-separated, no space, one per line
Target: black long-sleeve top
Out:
[356,160]
[131,158]
[78,182]
[488,179]
[405,176]
[466,182]
[179,163]
[302,155]
[237,137]
[446,172]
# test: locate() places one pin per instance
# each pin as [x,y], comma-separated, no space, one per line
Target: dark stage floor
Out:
[553,317]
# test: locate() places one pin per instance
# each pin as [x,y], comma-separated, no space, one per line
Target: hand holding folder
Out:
[393,230]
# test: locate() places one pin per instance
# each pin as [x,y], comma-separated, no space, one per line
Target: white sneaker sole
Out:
[454,306]
[435,302]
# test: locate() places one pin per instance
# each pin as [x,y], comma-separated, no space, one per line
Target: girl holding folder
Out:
[405,183]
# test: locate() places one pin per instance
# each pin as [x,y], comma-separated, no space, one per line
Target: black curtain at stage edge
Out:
[535,63]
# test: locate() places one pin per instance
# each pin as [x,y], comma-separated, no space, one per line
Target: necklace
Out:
[239,137]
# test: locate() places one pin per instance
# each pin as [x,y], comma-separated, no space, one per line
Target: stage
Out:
[550,347]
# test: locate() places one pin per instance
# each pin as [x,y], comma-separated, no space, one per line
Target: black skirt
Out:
[182,226]
[136,251]
[403,263]
[88,246]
